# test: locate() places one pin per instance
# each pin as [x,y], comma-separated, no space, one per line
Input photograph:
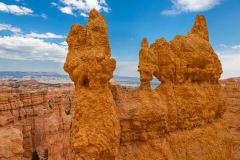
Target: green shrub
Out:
[35,155]
[45,154]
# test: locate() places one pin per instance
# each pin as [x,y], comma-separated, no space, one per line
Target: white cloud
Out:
[17,30]
[83,14]
[9,28]
[31,46]
[67,10]
[44,16]
[14,9]
[44,35]
[54,4]
[230,59]
[235,47]
[222,45]
[180,6]
[64,43]
[21,48]
[81,6]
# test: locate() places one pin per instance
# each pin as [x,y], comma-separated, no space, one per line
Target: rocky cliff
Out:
[17,116]
[34,119]
[232,87]
[181,119]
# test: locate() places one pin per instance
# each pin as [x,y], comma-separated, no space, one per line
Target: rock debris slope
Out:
[181,119]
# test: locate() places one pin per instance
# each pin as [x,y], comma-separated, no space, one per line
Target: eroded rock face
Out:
[57,132]
[32,119]
[232,87]
[18,111]
[181,119]
[95,129]
[11,140]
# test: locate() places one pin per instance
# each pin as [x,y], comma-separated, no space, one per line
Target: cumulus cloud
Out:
[14,9]
[81,6]
[23,48]
[180,6]
[230,59]
[44,35]
[31,46]
[8,27]
[67,10]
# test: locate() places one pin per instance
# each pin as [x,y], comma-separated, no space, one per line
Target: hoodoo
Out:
[181,119]
[96,125]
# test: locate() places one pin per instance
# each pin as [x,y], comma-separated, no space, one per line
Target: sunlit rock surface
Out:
[95,131]
[181,119]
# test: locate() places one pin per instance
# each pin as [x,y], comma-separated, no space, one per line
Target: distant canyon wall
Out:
[34,120]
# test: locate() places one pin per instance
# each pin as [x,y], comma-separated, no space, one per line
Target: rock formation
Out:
[95,129]
[17,116]
[57,132]
[232,87]
[181,119]
[11,140]
[33,119]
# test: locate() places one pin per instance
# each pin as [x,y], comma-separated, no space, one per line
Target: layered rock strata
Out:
[57,131]
[181,119]
[35,120]
[17,116]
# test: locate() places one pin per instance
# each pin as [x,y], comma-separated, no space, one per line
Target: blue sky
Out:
[32,33]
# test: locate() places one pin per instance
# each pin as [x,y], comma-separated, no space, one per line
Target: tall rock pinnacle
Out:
[200,27]
[95,132]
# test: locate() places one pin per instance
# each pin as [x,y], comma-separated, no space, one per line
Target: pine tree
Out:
[35,155]
[45,154]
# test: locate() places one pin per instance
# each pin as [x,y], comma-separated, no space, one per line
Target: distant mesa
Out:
[22,74]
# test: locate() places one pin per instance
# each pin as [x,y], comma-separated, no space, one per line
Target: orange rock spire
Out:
[181,119]
[95,127]
[200,27]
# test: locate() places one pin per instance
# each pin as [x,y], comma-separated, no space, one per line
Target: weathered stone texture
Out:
[32,119]
[181,119]
[232,87]
[95,129]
